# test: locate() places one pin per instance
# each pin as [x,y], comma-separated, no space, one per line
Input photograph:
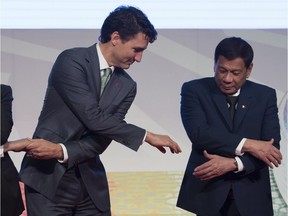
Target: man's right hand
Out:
[162,141]
[263,150]
[36,148]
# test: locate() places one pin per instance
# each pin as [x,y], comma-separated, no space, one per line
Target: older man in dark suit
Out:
[228,170]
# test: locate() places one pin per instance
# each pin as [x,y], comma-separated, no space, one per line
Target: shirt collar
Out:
[237,93]
[102,61]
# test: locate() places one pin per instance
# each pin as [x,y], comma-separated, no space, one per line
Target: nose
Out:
[138,56]
[228,77]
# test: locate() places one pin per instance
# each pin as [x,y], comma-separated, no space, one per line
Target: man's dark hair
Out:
[234,47]
[127,21]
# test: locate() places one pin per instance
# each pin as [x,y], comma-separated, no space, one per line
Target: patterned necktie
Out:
[232,100]
[105,77]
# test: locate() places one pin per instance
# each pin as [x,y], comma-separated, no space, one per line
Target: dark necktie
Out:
[105,78]
[232,100]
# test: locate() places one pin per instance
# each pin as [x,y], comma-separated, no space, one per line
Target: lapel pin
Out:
[244,107]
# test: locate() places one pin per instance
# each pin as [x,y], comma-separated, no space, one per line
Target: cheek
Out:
[125,54]
[219,77]
[239,82]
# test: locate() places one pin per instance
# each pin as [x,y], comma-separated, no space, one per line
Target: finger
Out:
[204,175]
[275,161]
[176,148]
[267,162]
[204,166]
[277,155]
[162,149]
[277,158]
[206,154]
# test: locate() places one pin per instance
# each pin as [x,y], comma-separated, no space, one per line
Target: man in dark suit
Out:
[82,119]
[228,169]
[11,198]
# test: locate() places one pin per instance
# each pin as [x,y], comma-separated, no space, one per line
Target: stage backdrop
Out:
[138,179]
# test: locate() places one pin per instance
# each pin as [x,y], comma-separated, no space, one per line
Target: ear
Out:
[249,70]
[115,38]
[214,68]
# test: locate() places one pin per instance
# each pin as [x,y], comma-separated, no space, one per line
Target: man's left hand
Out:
[216,166]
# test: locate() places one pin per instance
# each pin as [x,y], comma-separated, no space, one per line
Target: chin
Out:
[228,92]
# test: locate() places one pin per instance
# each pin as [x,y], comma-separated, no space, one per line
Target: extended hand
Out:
[161,141]
[17,145]
[263,150]
[216,166]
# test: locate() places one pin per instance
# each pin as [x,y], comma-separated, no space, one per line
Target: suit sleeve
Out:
[270,129]
[6,113]
[91,145]
[69,77]
[203,134]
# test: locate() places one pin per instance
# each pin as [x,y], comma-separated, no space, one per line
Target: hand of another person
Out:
[17,145]
[216,166]
[43,149]
[263,150]
[162,141]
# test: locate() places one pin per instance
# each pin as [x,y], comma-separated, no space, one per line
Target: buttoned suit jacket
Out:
[207,122]
[75,114]
[11,198]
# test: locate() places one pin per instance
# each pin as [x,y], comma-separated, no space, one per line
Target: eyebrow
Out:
[139,49]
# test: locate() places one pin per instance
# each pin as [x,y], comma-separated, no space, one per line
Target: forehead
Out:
[140,40]
[230,64]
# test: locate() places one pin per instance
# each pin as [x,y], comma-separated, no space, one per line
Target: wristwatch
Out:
[236,164]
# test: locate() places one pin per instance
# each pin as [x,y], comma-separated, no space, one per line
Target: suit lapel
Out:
[244,104]
[94,71]
[221,104]
[117,85]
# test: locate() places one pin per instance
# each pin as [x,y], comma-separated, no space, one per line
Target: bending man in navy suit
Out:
[228,169]
[69,178]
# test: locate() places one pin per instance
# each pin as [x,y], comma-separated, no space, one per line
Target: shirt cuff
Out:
[65,154]
[238,150]
[1,151]
[240,164]
[144,137]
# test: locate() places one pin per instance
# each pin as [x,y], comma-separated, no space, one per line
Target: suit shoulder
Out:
[198,83]
[76,51]
[6,90]
[259,87]
[124,74]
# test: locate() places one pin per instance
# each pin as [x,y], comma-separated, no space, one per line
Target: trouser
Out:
[71,199]
[229,207]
